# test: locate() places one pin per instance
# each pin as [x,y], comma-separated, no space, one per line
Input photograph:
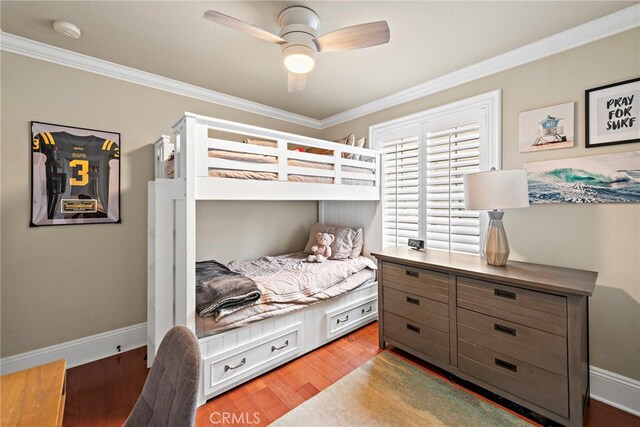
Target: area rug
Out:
[387,391]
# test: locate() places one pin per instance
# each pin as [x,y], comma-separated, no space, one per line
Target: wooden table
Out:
[35,396]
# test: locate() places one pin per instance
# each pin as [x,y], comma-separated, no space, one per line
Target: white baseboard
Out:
[615,390]
[80,351]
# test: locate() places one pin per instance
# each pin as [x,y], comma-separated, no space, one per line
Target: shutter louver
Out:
[401,166]
[451,153]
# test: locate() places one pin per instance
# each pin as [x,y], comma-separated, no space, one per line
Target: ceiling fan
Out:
[299,41]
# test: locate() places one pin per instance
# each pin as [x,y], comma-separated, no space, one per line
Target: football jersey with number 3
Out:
[77,167]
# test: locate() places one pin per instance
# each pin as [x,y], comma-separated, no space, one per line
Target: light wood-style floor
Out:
[102,393]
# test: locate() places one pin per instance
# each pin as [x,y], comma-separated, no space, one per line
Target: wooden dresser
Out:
[35,396]
[520,331]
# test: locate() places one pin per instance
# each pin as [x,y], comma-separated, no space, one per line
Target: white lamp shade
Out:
[496,189]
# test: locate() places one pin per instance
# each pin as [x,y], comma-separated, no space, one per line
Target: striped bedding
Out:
[272,176]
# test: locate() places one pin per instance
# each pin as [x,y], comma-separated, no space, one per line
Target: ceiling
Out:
[171,39]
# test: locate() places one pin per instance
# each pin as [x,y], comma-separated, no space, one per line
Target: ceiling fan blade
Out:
[296,82]
[355,37]
[236,24]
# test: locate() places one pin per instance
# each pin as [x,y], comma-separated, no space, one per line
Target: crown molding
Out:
[597,29]
[31,48]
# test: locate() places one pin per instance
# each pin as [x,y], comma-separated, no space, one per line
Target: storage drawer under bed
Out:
[347,318]
[233,365]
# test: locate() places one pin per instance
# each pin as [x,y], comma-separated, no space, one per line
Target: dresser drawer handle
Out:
[274,348]
[413,301]
[506,365]
[412,273]
[229,368]
[342,320]
[413,328]
[368,310]
[504,294]
[504,329]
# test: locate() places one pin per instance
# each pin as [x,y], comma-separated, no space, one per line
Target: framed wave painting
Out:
[608,178]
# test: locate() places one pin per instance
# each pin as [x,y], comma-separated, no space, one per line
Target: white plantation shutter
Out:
[449,154]
[401,190]
[424,157]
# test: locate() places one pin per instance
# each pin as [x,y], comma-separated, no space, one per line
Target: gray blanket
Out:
[220,291]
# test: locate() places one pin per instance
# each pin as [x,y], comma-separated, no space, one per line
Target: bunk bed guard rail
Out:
[208,152]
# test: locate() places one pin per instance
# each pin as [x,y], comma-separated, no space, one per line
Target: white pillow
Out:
[360,144]
[348,243]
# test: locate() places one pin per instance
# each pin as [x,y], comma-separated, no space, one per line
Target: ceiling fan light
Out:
[299,59]
[299,63]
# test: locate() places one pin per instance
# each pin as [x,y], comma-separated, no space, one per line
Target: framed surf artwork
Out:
[613,114]
[75,175]
[547,128]
[609,178]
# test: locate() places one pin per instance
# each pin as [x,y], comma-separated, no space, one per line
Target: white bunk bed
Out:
[237,355]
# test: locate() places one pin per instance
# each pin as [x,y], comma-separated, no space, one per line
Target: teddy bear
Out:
[322,250]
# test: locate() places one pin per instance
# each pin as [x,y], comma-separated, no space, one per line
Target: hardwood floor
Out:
[102,393]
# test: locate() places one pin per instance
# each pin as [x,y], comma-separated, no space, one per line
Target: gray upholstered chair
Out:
[170,393]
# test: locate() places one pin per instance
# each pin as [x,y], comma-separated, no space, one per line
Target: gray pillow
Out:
[348,243]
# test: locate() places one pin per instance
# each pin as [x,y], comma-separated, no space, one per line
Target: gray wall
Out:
[68,282]
[604,238]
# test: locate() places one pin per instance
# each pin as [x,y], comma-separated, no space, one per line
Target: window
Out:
[424,157]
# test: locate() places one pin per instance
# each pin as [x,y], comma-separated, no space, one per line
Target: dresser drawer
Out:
[418,336]
[426,283]
[432,313]
[536,385]
[530,308]
[351,316]
[538,348]
[231,366]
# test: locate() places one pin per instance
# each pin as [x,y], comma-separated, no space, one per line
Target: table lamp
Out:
[493,191]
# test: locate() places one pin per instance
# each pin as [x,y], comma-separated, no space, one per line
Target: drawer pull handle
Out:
[506,365]
[504,329]
[413,328]
[368,310]
[413,301]
[230,368]
[274,348]
[412,273]
[343,320]
[504,294]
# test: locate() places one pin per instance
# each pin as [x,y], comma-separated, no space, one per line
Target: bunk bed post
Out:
[160,285]
[186,133]
[163,148]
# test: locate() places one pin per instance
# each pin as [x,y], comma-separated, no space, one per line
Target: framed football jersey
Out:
[75,175]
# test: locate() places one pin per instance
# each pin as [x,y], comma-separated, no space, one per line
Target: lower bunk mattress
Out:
[288,283]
